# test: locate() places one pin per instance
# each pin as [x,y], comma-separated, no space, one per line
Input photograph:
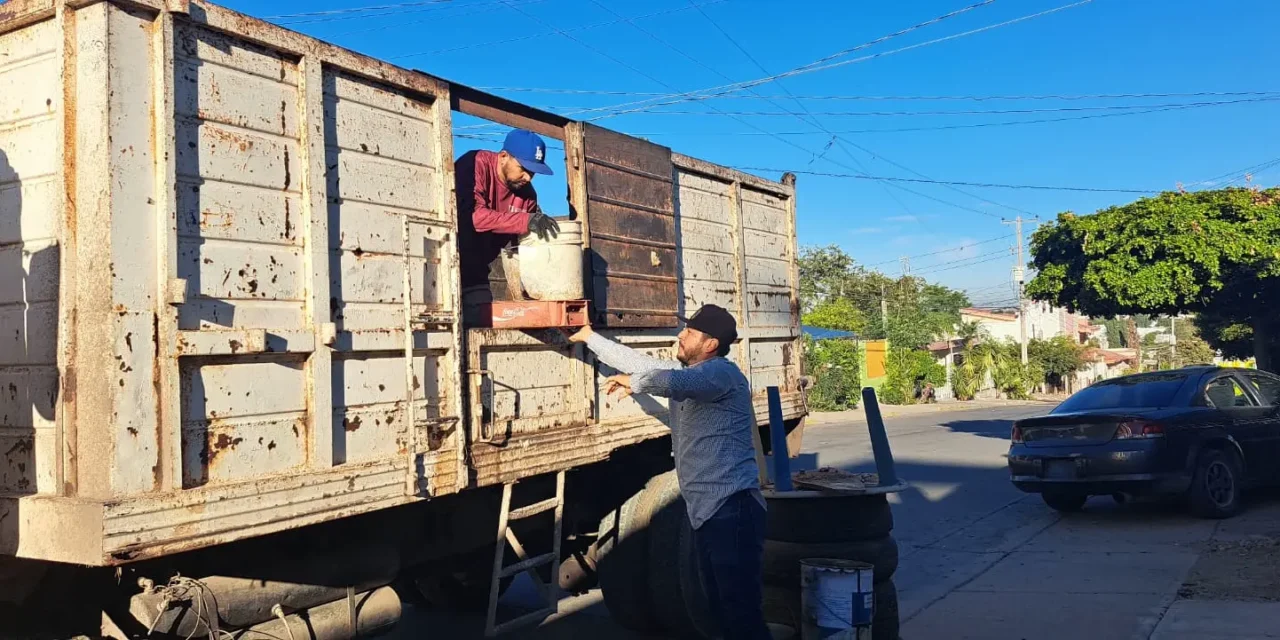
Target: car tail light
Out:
[1016,435]
[1136,429]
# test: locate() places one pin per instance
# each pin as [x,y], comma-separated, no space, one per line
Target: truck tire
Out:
[675,576]
[884,625]
[782,559]
[1215,486]
[829,519]
[622,561]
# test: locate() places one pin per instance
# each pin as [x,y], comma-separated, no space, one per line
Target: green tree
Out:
[1211,252]
[836,313]
[1056,358]
[915,312]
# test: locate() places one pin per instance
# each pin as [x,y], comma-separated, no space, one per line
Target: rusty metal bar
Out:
[477,103]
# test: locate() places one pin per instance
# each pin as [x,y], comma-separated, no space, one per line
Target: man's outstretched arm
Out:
[620,357]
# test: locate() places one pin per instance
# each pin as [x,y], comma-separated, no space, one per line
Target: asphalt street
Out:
[954,461]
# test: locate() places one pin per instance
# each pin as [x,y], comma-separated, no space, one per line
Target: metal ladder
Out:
[550,590]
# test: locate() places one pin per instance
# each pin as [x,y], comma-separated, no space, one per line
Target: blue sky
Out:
[1102,47]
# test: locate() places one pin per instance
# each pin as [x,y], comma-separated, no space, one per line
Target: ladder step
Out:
[525,565]
[534,509]
[534,616]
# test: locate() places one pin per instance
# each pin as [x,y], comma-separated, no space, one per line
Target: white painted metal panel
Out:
[30,102]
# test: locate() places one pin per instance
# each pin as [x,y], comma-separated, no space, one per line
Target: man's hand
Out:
[619,385]
[581,335]
[542,225]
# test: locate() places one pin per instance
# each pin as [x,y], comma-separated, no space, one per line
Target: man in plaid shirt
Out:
[711,422]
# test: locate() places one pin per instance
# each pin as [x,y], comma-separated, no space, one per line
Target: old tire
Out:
[884,625]
[782,604]
[1063,501]
[1215,486]
[622,562]
[782,559]
[829,519]
[675,578]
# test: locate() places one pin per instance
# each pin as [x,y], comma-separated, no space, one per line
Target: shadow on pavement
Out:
[992,428]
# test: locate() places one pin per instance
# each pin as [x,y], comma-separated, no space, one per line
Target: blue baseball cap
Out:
[528,149]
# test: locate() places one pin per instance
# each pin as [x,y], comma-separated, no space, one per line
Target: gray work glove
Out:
[542,225]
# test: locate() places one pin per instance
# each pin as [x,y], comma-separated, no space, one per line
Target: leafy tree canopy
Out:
[832,285]
[1215,252]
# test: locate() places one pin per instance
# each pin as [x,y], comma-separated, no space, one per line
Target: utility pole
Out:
[884,309]
[1173,341]
[1019,270]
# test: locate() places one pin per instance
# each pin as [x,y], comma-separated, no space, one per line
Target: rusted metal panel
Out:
[18,14]
[523,383]
[631,214]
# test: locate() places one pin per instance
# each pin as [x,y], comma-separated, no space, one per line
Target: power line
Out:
[383,11]
[381,7]
[433,20]
[972,112]
[934,253]
[819,65]
[964,126]
[934,266]
[974,98]
[962,266]
[951,182]
[739,86]
[550,33]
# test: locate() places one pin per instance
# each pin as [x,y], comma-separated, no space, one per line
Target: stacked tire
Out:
[651,581]
[855,528]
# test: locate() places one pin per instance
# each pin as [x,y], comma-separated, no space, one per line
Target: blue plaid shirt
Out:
[711,421]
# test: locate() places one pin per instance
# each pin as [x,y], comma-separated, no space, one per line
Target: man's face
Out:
[693,346]
[513,173]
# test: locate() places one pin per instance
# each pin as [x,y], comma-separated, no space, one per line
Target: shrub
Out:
[834,366]
[903,367]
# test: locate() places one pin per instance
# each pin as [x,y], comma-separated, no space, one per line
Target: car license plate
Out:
[1060,469]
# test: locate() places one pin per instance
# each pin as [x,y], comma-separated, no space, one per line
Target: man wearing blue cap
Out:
[497,205]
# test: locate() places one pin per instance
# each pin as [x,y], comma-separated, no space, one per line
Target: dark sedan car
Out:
[1203,432]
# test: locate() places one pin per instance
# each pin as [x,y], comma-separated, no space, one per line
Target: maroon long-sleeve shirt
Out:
[490,216]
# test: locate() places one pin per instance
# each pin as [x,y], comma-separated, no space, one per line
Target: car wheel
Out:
[1215,487]
[1064,502]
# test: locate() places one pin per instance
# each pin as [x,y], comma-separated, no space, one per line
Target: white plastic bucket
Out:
[552,269]
[837,599]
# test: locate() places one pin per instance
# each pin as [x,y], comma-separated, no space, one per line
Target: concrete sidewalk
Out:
[1149,572]
[913,410]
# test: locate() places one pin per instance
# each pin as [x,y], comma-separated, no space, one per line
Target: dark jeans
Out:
[731,553]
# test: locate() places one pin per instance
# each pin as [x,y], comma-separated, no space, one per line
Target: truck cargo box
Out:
[230,300]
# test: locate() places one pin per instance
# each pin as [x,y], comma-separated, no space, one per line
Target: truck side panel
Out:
[30,205]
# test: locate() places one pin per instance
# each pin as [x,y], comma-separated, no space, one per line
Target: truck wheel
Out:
[884,625]
[675,577]
[1215,487]
[1064,502]
[622,561]
[829,519]
[782,559]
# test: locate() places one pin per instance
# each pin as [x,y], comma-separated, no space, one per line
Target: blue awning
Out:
[818,333]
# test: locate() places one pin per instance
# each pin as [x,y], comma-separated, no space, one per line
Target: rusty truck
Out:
[234,381]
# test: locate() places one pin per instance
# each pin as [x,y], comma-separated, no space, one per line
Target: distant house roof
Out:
[989,315]
[1110,357]
[945,345]
[818,333]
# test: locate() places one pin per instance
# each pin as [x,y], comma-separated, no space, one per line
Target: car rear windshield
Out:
[1147,391]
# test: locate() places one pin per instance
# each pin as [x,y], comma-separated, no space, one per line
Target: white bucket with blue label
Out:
[837,599]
